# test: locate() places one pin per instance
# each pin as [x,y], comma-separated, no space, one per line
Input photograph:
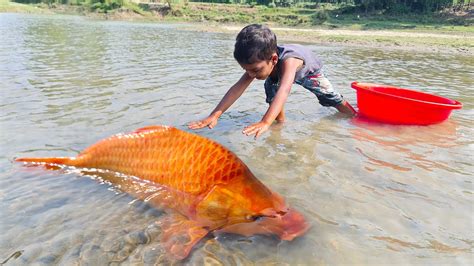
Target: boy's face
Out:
[261,69]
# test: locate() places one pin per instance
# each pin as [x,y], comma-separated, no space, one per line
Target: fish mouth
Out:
[288,225]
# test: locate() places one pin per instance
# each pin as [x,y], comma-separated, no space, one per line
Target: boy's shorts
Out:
[316,83]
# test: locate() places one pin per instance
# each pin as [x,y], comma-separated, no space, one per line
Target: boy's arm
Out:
[229,98]
[288,71]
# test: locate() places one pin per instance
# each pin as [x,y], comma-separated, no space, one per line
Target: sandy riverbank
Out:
[428,42]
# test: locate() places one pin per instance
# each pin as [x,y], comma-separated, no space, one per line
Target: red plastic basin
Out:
[393,105]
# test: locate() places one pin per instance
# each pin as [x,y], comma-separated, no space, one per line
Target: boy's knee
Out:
[325,86]
[323,89]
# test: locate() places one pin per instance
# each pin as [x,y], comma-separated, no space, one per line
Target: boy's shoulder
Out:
[311,62]
[294,50]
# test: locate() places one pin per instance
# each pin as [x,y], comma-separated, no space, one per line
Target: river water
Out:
[374,193]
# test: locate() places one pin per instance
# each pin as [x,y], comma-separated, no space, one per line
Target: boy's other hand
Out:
[210,121]
[257,129]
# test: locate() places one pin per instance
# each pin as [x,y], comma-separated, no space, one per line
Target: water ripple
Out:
[404,192]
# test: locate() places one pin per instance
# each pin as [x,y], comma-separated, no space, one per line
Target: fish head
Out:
[287,225]
[250,208]
[282,221]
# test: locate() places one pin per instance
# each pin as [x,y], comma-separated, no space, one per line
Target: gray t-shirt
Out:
[311,63]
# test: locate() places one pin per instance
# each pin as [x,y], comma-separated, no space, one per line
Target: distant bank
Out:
[427,33]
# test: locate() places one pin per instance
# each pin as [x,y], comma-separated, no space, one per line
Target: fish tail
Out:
[47,160]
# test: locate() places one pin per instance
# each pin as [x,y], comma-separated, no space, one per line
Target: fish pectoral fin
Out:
[179,235]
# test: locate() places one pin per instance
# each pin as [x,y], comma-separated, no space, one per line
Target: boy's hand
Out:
[210,121]
[257,129]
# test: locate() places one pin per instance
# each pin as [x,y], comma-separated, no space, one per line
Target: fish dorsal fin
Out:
[179,235]
[152,128]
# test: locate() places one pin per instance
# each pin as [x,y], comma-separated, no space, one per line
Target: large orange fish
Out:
[207,187]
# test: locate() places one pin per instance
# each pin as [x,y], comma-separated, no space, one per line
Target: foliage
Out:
[94,5]
[319,17]
[104,5]
[331,13]
[366,6]
[417,6]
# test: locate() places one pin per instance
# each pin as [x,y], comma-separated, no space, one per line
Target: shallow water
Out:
[373,193]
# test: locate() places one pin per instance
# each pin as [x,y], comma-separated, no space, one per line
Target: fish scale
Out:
[130,158]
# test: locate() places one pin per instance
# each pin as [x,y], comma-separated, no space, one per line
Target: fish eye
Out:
[255,217]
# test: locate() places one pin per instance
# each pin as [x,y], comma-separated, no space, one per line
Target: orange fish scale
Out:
[170,157]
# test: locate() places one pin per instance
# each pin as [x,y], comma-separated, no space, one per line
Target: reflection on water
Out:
[374,193]
[416,144]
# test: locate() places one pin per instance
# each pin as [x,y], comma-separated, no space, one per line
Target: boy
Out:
[257,53]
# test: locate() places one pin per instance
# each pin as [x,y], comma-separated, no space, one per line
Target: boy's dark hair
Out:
[254,43]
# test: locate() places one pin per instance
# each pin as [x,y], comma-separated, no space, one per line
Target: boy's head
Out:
[256,50]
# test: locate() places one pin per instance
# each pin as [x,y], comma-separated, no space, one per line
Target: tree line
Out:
[418,6]
[390,6]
